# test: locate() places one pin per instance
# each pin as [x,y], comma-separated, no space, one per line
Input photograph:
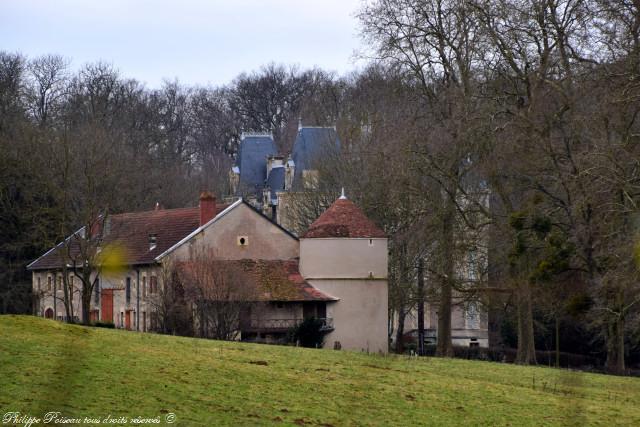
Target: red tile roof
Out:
[131,232]
[275,280]
[343,219]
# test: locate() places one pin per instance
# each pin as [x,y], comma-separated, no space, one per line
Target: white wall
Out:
[360,316]
[343,258]
[342,268]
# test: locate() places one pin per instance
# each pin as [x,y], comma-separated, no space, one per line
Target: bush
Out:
[309,333]
[108,325]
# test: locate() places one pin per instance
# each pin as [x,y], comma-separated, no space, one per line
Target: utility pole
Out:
[421,351]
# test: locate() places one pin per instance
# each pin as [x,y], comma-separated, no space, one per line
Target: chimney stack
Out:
[207,207]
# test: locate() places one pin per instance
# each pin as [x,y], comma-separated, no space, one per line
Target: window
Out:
[128,290]
[472,316]
[144,286]
[153,284]
[144,321]
[472,264]
[38,281]
[96,290]
[49,285]
[370,242]
[243,240]
[59,280]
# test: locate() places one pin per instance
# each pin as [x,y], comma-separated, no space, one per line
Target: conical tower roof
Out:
[343,219]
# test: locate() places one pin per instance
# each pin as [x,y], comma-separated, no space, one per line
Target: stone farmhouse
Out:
[336,271]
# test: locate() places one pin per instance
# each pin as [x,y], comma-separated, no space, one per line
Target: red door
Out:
[106,306]
[127,320]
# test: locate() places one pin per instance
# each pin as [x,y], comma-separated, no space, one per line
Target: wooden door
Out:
[48,313]
[127,320]
[106,305]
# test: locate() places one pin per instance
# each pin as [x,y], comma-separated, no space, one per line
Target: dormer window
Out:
[153,238]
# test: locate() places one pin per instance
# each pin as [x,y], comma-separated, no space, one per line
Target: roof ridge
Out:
[156,210]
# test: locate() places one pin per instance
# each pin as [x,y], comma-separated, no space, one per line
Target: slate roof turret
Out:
[312,145]
[252,165]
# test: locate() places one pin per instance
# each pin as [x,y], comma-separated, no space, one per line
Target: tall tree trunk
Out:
[620,368]
[615,346]
[87,293]
[420,273]
[557,342]
[67,293]
[402,315]
[526,354]
[86,303]
[444,347]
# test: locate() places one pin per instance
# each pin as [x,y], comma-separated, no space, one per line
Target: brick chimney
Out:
[207,207]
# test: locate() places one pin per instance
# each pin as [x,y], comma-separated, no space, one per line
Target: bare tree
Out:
[219,291]
[49,83]
[436,44]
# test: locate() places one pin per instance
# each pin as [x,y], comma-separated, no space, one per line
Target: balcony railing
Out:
[256,324]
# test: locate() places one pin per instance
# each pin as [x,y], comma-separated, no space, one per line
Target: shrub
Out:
[108,325]
[309,333]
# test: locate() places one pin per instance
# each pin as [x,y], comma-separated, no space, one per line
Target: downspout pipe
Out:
[138,299]
[55,295]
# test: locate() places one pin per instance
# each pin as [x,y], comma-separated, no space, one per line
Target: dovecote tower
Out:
[345,255]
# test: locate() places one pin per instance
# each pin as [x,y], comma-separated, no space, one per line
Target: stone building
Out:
[336,272]
[279,185]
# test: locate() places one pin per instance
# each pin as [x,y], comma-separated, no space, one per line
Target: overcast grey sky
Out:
[197,41]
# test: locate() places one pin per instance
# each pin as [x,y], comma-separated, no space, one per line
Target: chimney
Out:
[274,161]
[207,207]
[153,241]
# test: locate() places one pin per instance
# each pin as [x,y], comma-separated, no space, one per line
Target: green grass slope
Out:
[88,372]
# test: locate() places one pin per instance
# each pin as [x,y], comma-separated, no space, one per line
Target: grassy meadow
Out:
[98,373]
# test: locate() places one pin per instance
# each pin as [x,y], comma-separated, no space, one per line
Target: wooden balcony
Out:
[255,324]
